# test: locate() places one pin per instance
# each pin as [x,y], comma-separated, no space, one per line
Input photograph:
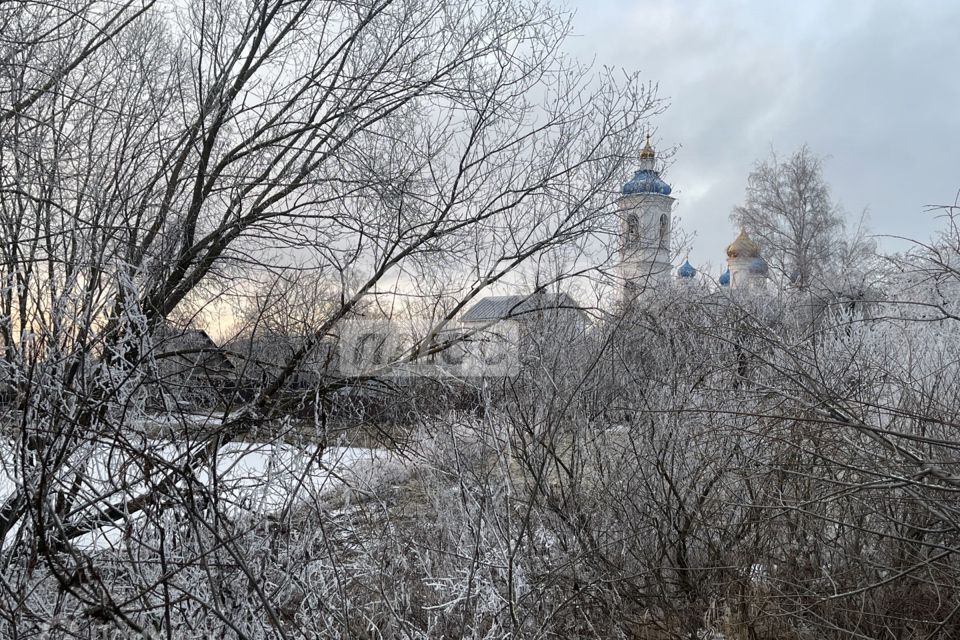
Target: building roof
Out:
[743,246]
[686,270]
[647,151]
[502,307]
[646,181]
[759,266]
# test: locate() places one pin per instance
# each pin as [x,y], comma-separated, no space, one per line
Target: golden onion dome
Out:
[743,247]
[647,152]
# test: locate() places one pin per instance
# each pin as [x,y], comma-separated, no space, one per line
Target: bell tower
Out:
[645,224]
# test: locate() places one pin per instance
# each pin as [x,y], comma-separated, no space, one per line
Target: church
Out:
[646,220]
[644,259]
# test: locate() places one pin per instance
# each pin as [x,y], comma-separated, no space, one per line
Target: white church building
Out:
[644,260]
[646,220]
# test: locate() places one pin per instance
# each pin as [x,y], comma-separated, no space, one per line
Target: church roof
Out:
[647,151]
[743,247]
[502,307]
[646,181]
[686,270]
[759,266]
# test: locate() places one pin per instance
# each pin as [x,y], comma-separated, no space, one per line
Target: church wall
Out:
[645,227]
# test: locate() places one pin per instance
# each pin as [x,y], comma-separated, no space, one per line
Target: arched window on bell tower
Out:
[633,230]
[664,224]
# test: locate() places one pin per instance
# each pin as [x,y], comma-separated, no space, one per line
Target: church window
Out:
[663,230]
[633,229]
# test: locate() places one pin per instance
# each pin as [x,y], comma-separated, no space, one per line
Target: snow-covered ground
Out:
[250,480]
[265,478]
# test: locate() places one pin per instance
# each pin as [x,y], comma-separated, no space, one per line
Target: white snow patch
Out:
[251,479]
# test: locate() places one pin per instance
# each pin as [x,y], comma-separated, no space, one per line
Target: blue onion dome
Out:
[725,278]
[686,270]
[758,266]
[646,181]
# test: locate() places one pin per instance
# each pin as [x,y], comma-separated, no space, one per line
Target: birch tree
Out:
[789,211]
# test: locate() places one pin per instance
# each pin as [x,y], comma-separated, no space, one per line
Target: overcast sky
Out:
[873,86]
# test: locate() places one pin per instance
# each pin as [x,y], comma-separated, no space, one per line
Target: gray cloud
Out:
[874,86]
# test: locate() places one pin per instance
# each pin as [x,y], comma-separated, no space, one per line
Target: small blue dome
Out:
[759,267]
[686,270]
[646,181]
[725,278]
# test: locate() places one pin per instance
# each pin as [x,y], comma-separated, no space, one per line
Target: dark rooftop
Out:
[501,307]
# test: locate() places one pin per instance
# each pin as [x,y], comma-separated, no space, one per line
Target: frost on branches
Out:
[195,200]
